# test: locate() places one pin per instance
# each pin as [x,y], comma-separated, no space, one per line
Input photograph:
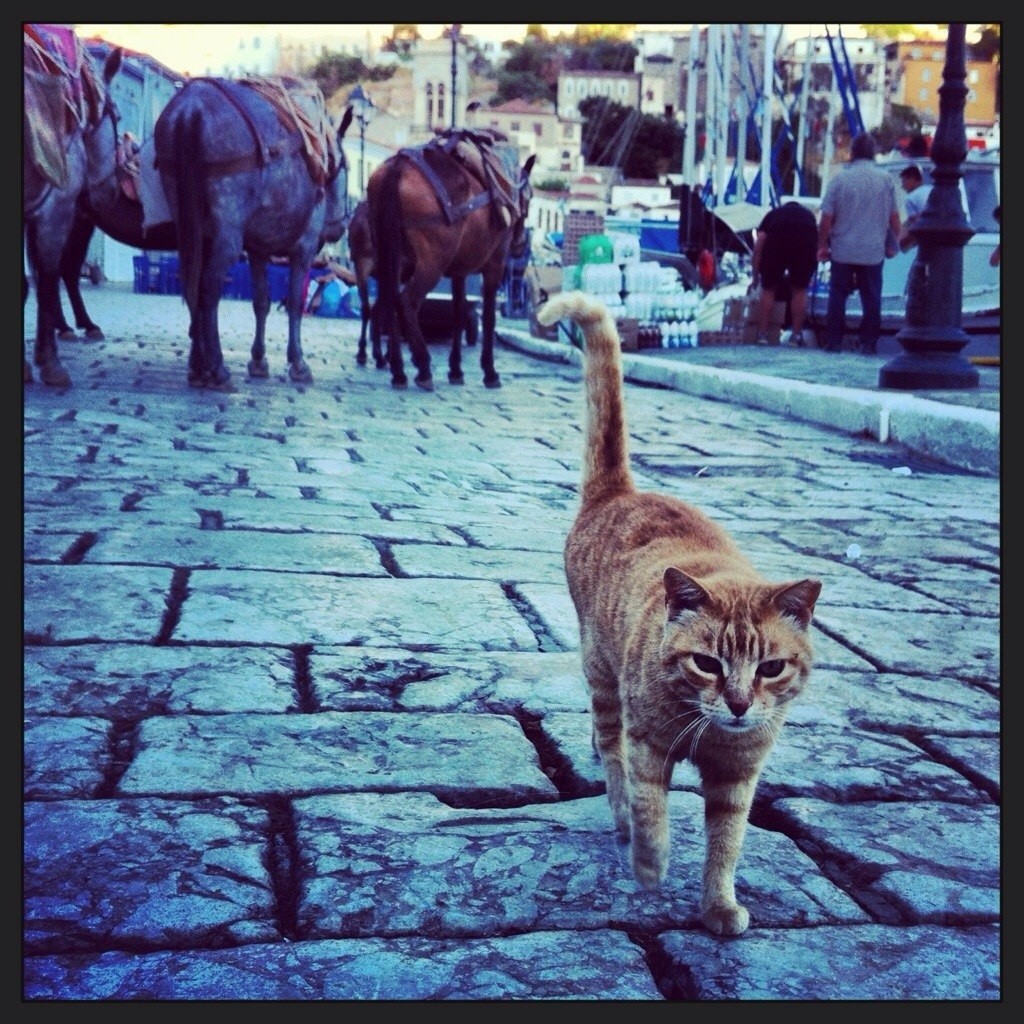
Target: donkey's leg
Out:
[491,279]
[71,273]
[410,300]
[44,251]
[258,366]
[219,256]
[455,374]
[298,267]
[376,340]
[364,321]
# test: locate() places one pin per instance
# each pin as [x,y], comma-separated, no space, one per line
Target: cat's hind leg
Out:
[606,734]
[726,807]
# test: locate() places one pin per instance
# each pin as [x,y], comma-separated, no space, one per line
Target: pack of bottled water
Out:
[602,279]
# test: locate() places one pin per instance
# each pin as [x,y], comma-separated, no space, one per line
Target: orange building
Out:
[918,75]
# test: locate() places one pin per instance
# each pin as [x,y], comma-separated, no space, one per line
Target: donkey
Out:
[237,179]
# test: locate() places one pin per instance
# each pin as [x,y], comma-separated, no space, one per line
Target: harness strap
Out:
[262,151]
[452,213]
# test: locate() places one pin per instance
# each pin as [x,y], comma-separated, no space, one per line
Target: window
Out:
[513,126]
[915,53]
[972,77]
[926,75]
[922,94]
[569,86]
[430,104]
[440,102]
[971,95]
[936,55]
[538,129]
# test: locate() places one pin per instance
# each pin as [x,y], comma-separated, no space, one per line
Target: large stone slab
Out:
[64,757]
[134,681]
[465,758]
[404,863]
[79,603]
[300,608]
[854,962]
[940,645]
[145,874]
[196,548]
[599,965]
[388,679]
[911,863]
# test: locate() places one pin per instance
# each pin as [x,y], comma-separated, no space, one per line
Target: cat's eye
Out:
[771,669]
[707,664]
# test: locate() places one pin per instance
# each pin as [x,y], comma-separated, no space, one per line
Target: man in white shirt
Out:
[917,191]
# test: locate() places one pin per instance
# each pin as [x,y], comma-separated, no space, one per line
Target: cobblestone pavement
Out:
[304,715]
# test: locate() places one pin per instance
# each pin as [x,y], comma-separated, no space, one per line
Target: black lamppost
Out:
[933,337]
[455,66]
[363,106]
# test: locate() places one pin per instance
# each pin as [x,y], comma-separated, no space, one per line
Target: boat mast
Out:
[804,89]
[690,139]
[766,116]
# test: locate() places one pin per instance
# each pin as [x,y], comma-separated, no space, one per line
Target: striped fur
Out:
[687,650]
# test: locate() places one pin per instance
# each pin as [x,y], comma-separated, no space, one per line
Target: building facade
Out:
[916,74]
[622,87]
[538,130]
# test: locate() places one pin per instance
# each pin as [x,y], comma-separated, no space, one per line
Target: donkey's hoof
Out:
[259,368]
[224,384]
[456,378]
[427,383]
[382,364]
[300,373]
[361,358]
[65,334]
[196,379]
[399,382]
[95,334]
[54,374]
[492,382]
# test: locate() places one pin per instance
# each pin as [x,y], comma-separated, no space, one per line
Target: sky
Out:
[183,47]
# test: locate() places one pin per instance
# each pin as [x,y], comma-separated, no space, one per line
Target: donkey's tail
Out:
[190,181]
[388,237]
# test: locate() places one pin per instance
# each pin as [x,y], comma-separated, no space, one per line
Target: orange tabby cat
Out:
[688,652]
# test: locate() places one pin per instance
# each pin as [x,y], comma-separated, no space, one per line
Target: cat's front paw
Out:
[649,871]
[727,919]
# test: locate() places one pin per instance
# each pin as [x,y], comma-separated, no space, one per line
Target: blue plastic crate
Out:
[278,276]
[140,265]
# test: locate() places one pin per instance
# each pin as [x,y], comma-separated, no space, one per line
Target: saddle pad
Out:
[45,138]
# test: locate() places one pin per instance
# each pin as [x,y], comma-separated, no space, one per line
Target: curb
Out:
[955,435]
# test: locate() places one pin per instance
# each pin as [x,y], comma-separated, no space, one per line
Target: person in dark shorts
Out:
[785,251]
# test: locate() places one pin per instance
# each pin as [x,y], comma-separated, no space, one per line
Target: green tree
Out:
[641,145]
[402,38]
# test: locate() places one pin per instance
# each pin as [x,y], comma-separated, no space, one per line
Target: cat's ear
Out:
[682,593]
[797,600]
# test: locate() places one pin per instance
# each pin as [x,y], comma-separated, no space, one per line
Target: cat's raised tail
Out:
[605,454]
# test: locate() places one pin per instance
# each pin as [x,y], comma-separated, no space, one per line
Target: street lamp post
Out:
[362,105]
[933,337]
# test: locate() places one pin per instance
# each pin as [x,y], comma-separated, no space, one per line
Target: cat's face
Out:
[736,656]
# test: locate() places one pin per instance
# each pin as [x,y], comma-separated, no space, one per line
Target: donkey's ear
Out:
[112,64]
[346,120]
[528,166]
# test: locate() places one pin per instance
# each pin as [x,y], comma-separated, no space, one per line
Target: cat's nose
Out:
[738,705]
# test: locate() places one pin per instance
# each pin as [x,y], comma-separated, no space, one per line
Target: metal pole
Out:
[804,89]
[830,129]
[690,139]
[455,54]
[933,337]
[362,154]
[767,89]
[743,113]
[710,110]
[725,108]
